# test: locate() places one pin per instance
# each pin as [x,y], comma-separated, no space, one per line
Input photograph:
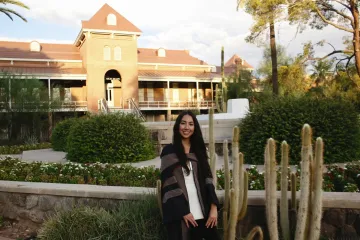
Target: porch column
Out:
[212,91]
[168,114]
[197,94]
[49,88]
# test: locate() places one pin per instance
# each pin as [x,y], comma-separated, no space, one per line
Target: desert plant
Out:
[281,118]
[309,213]
[136,220]
[110,138]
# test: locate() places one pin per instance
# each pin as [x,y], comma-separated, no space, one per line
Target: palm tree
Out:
[321,70]
[8,11]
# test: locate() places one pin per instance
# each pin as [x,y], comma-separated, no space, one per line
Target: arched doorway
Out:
[112,83]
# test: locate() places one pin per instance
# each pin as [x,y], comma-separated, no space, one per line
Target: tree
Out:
[320,71]
[8,11]
[24,101]
[341,14]
[265,13]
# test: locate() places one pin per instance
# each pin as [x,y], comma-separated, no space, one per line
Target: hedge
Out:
[336,121]
[109,138]
[61,132]
[18,149]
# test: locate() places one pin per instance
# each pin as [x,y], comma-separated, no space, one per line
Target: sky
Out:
[201,26]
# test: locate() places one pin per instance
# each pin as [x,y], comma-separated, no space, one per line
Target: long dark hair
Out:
[197,145]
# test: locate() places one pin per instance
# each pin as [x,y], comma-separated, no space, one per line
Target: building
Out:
[105,70]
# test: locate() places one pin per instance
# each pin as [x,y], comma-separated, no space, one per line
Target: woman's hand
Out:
[190,219]
[213,215]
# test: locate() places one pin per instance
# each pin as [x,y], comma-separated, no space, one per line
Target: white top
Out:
[194,201]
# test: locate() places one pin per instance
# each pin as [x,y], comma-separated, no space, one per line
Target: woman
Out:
[189,201]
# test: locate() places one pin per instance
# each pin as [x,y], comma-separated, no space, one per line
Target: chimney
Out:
[187,51]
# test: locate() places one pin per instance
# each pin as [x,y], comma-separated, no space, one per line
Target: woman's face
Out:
[186,127]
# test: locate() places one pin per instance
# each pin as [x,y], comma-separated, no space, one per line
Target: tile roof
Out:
[146,55]
[42,70]
[164,74]
[232,62]
[48,51]
[99,21]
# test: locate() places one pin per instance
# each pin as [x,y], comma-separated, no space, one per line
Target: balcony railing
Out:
[176,104]
[44,106]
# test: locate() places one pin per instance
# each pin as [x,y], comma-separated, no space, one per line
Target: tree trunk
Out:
[356,36]
[274,76]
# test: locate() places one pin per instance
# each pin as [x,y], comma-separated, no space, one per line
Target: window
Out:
[117,53]
[161,52]
[35,46]
[111,19]
[107,53]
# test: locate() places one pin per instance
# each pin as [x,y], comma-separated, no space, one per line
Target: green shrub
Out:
[61,132]
[335,121]
[110,138]
[18,149]
[135,220]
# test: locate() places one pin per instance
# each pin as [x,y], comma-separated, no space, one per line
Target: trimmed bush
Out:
[110,138]
[136,220]
[61,132]
[18,149]
[336,121]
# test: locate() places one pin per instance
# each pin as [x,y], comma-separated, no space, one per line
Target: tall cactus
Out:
[235,200]
[309,215]
[212,146]
[221,106]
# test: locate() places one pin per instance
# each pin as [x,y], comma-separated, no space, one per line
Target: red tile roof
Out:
[48,51]
[233,60]
[146,55]
[99,21]
[42,70]
[164,74]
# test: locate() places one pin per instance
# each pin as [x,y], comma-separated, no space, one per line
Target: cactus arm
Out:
[272,218]
[284,202]
[212,146]
[158,188]
[233,214]
[293,191]
[218,107]
[245,197]
[241,182]
[315,222]
[253,232]
[306,153]
[227,189]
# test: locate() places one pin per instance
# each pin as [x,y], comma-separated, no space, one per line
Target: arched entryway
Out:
[113,88]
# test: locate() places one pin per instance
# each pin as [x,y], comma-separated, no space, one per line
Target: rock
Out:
[46,202]
[328,231]
[37,216]
[335,217]
[31,201]
[65,204]
[347,232]
[17,199]
[357,225]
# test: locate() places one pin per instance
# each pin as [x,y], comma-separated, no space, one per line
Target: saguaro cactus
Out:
[221,106]
[235,199]
[310,207]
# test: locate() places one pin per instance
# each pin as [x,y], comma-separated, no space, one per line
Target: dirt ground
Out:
[16,230]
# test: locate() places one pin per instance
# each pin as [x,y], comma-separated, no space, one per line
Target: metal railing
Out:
[177,104]
[42,106]
[132,105]
[103,106]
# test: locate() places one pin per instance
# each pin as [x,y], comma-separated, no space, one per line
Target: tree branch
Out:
[327,8]
[331,23]
[344,5]
[330,54]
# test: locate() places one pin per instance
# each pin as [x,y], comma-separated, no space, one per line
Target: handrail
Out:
[103,106]
[132,105]
[177,104]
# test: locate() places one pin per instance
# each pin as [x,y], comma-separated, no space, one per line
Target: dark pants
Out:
[179,231]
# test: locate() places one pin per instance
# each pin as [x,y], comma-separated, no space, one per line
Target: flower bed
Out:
[18,149]
[336,179]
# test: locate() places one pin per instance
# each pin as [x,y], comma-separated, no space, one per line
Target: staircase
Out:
[133,108]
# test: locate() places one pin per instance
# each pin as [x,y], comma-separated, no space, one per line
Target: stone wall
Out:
[34,202]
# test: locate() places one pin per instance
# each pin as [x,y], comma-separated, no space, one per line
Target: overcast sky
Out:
[202,26]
